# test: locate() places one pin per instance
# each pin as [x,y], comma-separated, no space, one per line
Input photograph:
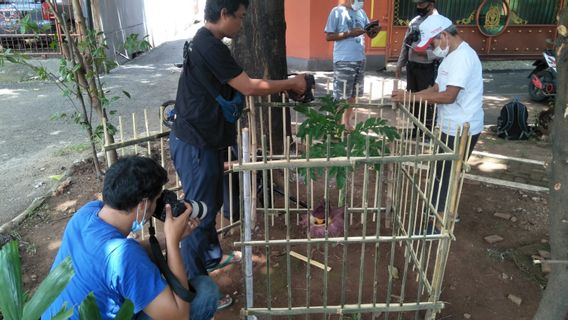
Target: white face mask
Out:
[357,5]
[441,53]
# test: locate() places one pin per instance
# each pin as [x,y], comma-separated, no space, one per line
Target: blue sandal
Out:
[233,257]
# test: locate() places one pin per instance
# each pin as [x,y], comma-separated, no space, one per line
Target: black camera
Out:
[199,208]
[413,36]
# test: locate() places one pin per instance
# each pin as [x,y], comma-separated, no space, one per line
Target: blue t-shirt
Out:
[106,263]
[342,19]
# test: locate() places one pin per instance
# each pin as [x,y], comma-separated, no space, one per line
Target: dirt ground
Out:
[479,277]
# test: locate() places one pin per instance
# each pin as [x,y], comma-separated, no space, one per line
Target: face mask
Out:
[441,53]
[357,5]
[423,11]
[137,226]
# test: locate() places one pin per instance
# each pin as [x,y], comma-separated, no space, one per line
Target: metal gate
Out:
[30,26]
[526,25]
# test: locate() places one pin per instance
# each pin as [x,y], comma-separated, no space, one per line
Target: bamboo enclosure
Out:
[389,258]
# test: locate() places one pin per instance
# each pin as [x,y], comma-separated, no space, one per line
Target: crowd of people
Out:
[440,68]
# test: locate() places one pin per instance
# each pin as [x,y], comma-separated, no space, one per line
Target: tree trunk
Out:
[554,303]
[260,49]
[95,93]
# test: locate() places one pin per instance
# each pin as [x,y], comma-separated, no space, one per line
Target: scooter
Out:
[542,83]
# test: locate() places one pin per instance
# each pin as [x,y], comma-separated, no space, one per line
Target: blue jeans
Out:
[201,174]
[204,305]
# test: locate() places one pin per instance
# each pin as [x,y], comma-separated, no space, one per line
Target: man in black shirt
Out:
[201,132]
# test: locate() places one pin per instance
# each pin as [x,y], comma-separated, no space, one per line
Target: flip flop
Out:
[233,257]
[224,302]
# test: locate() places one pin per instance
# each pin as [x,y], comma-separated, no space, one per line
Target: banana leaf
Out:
[49,290]
[11,293]
[126,311]
[88,310]
[63,314]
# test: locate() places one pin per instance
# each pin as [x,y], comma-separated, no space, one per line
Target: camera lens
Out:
[199,210]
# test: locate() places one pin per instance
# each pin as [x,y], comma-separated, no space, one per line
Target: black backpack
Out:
[512,123]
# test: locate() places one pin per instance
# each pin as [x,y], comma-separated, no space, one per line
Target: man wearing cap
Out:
[420,66]
[346,27]
[458,90]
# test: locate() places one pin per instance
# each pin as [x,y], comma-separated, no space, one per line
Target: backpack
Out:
[512,123]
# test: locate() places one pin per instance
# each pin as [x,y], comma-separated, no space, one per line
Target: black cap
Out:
[422,1]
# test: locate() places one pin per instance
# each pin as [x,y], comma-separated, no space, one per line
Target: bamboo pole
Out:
[247,226]
[147,127]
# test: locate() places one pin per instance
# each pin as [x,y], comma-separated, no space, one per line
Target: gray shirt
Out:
[342,19]
[409,54]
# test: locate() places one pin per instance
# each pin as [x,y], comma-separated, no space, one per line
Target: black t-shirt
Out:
[199,119]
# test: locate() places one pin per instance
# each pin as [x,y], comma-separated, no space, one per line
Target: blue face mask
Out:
[136,225]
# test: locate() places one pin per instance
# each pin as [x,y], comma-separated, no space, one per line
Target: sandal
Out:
[233,258]
[224,302]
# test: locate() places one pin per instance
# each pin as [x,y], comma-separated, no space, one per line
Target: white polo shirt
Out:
[461,68]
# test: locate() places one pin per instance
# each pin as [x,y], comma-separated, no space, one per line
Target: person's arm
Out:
[260,87]
[403,56]
[168,305]
[445,97]
[337,36]
[431,94]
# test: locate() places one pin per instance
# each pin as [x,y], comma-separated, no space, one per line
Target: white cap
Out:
[431,27]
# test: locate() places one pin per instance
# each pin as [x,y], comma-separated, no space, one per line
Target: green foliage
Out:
[14,304]
[28,26]
[328,138]
[134,45]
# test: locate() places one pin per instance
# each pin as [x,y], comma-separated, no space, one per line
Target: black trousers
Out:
[444,170]
[420,76]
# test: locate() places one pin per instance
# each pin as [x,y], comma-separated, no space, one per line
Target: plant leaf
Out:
[126,311]
[89,310]
[57,177]
[49,289]
[11,293]
[63,314]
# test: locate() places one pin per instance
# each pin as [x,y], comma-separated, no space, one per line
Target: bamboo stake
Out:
[134,132]
[147,127]
[121,134]
[311,262]
[247,226]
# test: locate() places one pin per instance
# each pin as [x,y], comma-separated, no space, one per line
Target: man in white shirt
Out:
[458,91]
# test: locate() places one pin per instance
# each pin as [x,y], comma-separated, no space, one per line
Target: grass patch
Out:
[72,149]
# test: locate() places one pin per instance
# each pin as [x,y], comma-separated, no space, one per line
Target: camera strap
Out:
[171,279]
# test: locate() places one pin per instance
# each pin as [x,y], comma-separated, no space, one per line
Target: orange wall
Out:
[305,22]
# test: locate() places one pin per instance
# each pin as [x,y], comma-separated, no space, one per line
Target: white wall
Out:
[162,20]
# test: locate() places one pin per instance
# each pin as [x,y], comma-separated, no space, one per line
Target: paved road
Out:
[33,148]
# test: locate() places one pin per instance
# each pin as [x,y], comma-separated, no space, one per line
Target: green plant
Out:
[326,136]
[15,304]
[133,45]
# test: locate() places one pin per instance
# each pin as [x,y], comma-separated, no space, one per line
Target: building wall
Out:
[162,21]
[306,46]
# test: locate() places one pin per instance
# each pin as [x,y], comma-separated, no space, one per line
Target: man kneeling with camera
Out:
[115,267]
